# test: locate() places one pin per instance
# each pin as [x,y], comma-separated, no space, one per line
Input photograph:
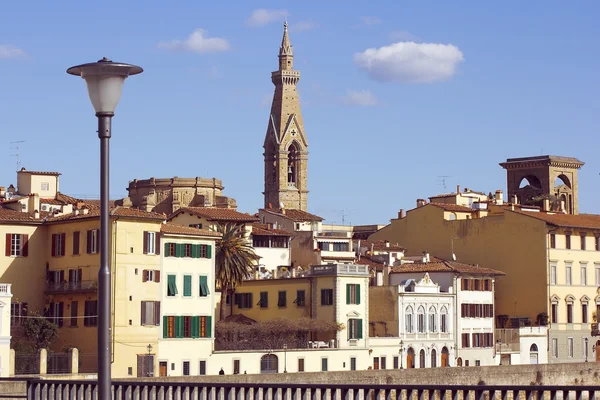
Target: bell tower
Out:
[285,143]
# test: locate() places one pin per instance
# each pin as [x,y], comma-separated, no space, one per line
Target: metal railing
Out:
[65,287]
[143,390]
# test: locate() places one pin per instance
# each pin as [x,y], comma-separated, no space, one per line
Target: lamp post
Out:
[400,351]
[150,370]
[586,349]
[500,350]
[104,80]
[285,358]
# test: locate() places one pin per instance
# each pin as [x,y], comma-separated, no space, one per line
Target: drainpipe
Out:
[456,333]
[114,286]
[548,272]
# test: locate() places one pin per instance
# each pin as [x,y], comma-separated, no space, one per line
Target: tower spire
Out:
[286,55]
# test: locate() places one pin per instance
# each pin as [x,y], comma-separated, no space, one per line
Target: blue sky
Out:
[483,81]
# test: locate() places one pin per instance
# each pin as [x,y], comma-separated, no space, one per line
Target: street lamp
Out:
[150,361]
[586,349]
[104,80]
[285,358]
[400,351]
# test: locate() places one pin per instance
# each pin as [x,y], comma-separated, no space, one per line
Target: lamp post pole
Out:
[285,358]
[401,351]
[104,80]
[586,349]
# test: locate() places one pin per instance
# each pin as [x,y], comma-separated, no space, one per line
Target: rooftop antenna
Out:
[17,154]
[442,180]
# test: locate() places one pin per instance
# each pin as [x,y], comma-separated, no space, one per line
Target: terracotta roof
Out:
[446,266]
[453,207]
[296,215]
[13,200]
[584,221]
[217,214]
[420,258]
[370,263]
[239,319]
[175,229]
[7,215]
[379,245]
[338,258]
[24,171]
[52,201]
[122,212]
[263,230]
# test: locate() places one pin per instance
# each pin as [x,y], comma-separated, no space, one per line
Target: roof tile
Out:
[175,229]
[263,230]
[217,214]
[446,266]
[296,215]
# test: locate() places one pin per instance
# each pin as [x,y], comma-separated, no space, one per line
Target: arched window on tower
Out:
[293,155]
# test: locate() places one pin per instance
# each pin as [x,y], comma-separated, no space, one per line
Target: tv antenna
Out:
[442,180]
[17,154]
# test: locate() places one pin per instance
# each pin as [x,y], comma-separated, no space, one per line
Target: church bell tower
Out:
[285,143]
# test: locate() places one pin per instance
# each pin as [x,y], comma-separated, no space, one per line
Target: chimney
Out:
[425,257]
[379,277]
[85,210]
[387,243]
[498,197]
[36,214]
[421,202]
[76,211]
[293,269]
[546,205]
[401,213]
[269,226]
[457,189]
[34,202]
[562,207]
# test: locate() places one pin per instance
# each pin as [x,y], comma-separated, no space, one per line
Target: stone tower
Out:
[533,178]
[285,143]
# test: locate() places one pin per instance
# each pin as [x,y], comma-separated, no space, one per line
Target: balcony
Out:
[5,289]
[71,287]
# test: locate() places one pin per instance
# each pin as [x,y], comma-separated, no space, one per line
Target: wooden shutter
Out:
[75,242]
[145,274]
[156,313]
[74,313]
[61,275]
[79,274]
[209,251]
[195,327]
[8,245]
[179,327]
[357,287]
[63,242]
[359,328]
[187,285]
[165,326]
[348,289]
[157,276]
[61,308]
[178,250]
[53,252]
[97,240]
[89,242]
[157,243]
[167,254]
[145,242]
[25,248]
[195,251]
[144,312]
[208,326]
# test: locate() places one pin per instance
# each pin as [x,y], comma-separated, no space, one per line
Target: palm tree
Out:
[235,259]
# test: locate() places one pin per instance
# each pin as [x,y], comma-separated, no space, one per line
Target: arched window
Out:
[533,354]
[410,358]
[293,156]
[444,320]
[269,364]
[408,319]
[432,319]
[452,216]
[459,362]
[422,359]
[433,358]
[421,319]
[445,357]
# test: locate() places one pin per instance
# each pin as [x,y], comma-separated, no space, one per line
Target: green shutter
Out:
[179,327]
[187,285]
[165,326]
[171,285]
[359,328]
[167,250]
[195,327]
[178,250]
[208,326]
[347,293]
[357,294]
[194,251]
[204,286]
[208,251]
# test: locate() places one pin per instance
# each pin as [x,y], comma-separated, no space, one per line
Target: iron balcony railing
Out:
[143,390]
[70,287]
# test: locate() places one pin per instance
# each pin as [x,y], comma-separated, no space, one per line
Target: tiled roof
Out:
[263,230]
[7,215]
[334,257]
[370,263]
[452,207]
[217,214]
[23,170]
[175,229]
[379,245]
[296,215]
[52,202]
[584,221]
[122,212]
[239,319]
[13,200]
[446,266]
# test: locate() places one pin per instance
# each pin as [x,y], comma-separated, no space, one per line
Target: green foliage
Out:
[34,334]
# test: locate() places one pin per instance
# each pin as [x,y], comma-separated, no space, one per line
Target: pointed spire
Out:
[286,47]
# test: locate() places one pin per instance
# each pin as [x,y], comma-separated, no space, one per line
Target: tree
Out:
[35,333]
[235,259]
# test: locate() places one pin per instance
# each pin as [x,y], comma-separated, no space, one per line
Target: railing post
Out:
[73,360]
[43,360]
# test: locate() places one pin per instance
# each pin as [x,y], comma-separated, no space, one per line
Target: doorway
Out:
[444,356]
[410,358]
[597,351]
[162,368]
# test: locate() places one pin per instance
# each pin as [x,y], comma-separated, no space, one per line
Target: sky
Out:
[400,100]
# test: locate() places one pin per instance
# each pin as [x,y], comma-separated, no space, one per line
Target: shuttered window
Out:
[171,285]
[352,293]
[187,285]
[204,286]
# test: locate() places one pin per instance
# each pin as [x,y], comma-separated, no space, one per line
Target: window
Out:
[187,326]
[477,284]
[584,313]
[151,243]
[477,310]
[202,369]
[279,242]
[76,243]
[570,347]
[282,299]
[552,240]
[382,363]
[568,267]
[186,368]
[340,247]
[355,328]
[555,347]
[186,250]
[236,367]
[408,320]
[170,249]
[569,313]
[75,275]
[243,300]
[58,244]
[260,241]
[554,312]
[444,320]
[421,320]
[301,365]
[597,273]
[582,238]
[300,298]
[45,186]
[432,320]
[90,313]
[264,300]
[326,297]
[16,245]
[597,243]
[487,285]
[323,364]
[17,311]
[553,273]
[55,313]
[567,240]
[187,285]
[171,285]
[583,266]
[352,293]
[197,226]
[93,241]
[396,362]
[74,313]
[352,363]
[203,286]
[149,275]
[465,340]
[433,358]
[150,314]
[323,246]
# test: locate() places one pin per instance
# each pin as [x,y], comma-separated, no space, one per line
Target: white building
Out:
[273,247]
[187,300]
[5,304]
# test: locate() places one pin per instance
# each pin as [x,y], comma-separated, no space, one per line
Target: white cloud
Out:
[8,51]
[410,62]
[360,98]
[263,16]
[370,20]
[403,36]
[303,26]
[197,42]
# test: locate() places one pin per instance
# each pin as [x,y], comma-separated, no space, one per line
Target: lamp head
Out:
[104,80]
